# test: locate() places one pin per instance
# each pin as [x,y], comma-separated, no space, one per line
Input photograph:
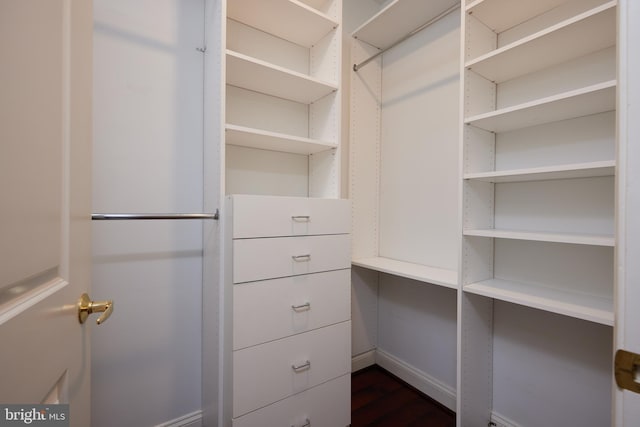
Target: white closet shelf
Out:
[568,171]
[500,15]
[267,140]
[291,20]
[581,35]
[422,273]
[586,101]
[316,4]
[571,238]
[574,304]
[260,76]
[399,18]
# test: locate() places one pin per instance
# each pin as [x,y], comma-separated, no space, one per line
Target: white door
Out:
[45,158]
[627,402]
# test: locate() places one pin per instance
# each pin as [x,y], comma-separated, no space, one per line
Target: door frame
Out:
[627,332]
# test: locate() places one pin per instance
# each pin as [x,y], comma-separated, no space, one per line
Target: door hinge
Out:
[626,365]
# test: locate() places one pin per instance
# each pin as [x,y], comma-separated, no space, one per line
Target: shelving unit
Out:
[539,78]
[282,61]
[273,122]
[391,24]
[404,185]
[486,196]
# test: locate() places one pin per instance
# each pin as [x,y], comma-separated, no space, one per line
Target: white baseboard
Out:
[501,421]
[363,360]
[418,379]
[430,386]
[193,419]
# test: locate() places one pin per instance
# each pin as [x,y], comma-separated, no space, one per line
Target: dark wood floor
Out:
[380,399]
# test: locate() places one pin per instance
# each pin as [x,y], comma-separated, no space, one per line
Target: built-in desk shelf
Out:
[574,304]
[421,273]
[581,35]
[581,102]
[538,210]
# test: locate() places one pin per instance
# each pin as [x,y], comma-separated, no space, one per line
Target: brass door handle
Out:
[87,307]
[626,365]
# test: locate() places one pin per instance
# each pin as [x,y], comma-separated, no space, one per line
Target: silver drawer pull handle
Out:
[301,218]
[302,307]
[307,423]
[300,258]
[299,368]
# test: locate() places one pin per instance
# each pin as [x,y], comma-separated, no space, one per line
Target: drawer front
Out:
[258,259]
[263,216]
[270,372]
[327,405]
[272,309]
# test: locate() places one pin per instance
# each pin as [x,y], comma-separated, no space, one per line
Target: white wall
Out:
[533,349]
[147,158]
[418,219]
[417,335]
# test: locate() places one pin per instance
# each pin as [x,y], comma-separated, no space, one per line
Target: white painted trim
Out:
[30,298]
[363,360]
[502,421]
[194,419]
[432,387]
[626,404]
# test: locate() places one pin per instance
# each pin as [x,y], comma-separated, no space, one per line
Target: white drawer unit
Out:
[258,259]
[320,406]
[272,309]
[270,372]
[287,355]
[290,216]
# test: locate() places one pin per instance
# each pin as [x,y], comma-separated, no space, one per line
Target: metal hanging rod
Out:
[356,67]
[103,216]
